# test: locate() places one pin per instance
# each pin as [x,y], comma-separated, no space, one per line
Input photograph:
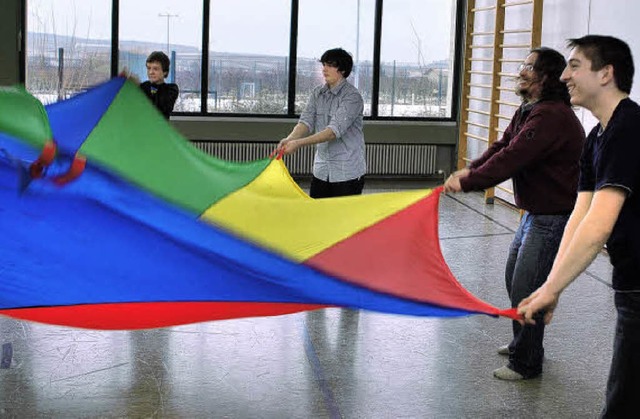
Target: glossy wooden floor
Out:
[333,363]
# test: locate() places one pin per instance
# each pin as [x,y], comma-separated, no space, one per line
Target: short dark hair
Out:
[606,50]
[551,63]
[160,57]
[339,58]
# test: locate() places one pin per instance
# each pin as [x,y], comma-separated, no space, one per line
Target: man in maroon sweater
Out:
[540,151]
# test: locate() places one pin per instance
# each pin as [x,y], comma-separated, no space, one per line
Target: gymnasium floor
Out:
[333,363]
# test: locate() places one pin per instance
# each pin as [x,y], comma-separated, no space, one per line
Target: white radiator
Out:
[382,159]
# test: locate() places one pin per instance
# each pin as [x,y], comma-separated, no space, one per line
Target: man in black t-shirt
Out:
[163,95]
[599,76]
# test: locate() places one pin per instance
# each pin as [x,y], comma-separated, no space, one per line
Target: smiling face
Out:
[332,76]
[155,73]
[529,83]
[583,83]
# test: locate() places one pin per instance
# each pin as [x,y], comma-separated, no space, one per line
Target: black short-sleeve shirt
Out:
[611,158]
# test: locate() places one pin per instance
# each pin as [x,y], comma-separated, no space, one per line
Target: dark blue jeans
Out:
[530,260]
[623,387]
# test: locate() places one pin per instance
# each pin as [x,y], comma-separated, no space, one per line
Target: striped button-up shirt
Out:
[339,109]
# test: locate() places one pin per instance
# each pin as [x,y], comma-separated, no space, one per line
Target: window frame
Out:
[456,66]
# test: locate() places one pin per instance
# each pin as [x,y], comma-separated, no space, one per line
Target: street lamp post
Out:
[168,16]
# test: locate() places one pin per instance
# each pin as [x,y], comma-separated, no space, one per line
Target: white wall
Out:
[561,20]
[564,19]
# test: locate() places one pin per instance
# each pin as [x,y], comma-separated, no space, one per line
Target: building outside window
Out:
[68,47]
[417,58]
[249,44]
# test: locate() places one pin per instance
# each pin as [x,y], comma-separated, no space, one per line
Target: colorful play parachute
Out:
[110,219]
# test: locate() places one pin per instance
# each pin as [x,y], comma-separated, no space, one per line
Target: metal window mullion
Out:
[204,65]
[377,36]
[293,58]
[458,52]
[115,36]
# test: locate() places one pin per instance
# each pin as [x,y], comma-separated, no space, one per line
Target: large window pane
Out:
[169,26]
[68,46]
[249,56]
[417,52]
[331,24]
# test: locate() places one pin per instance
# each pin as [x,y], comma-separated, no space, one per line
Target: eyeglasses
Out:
[527,67]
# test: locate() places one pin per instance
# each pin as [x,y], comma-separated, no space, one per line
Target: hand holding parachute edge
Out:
[541,299]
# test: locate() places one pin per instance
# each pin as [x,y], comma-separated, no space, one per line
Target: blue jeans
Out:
[530,260]
[624,376]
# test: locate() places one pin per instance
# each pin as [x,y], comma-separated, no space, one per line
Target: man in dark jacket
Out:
[163,95]
[540,150]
